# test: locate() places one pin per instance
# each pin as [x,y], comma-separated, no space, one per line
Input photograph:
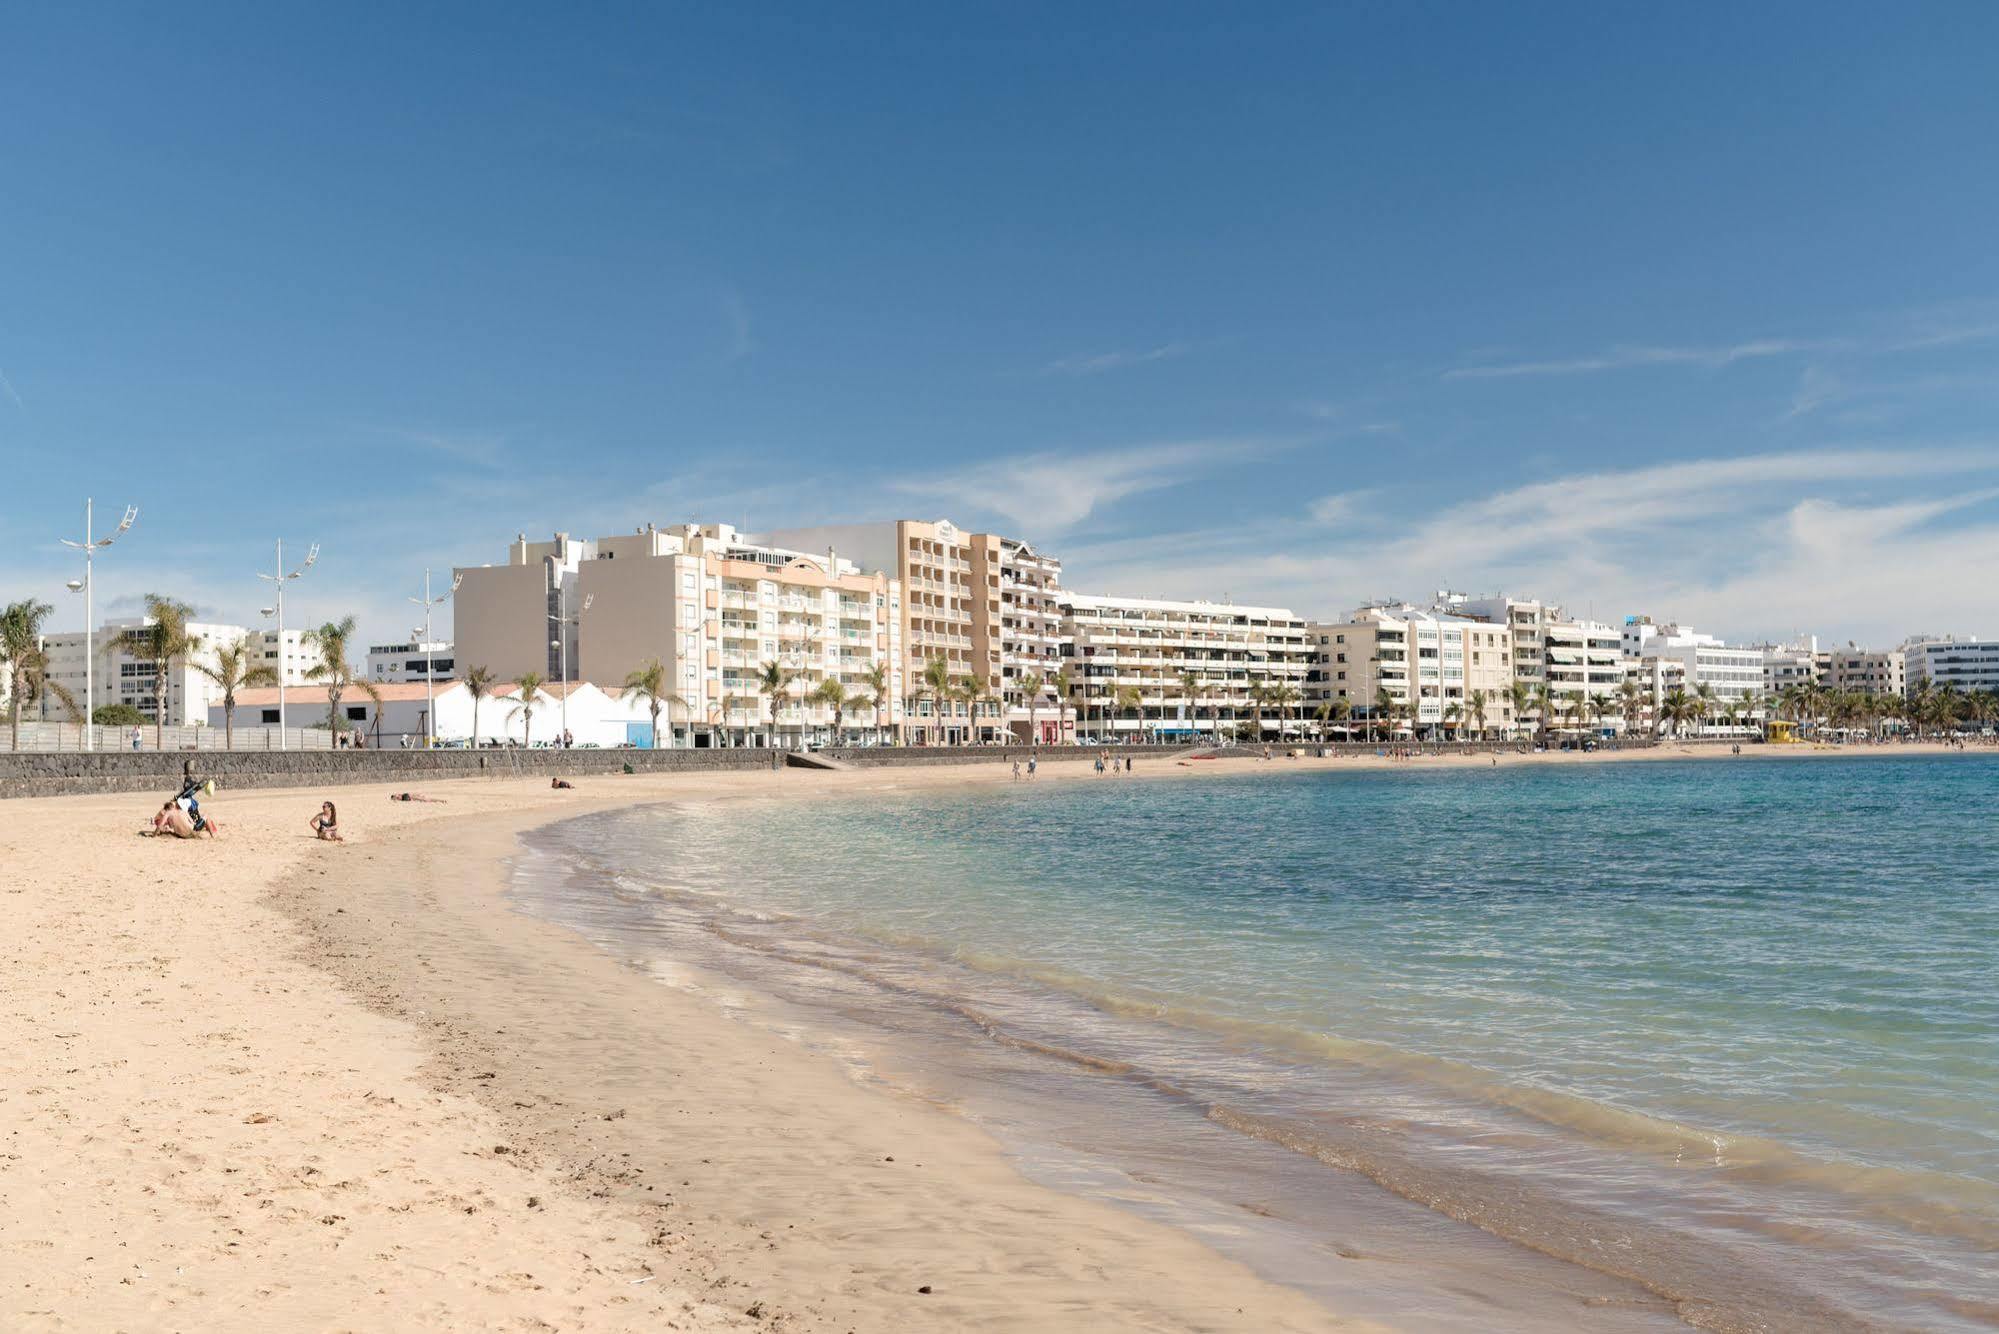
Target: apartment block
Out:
[1447,673]
[124,674]
[1856,669]
[711,605]
[1734,675]
[1150,644]
[1031,640]
[1968,664]
[1801,663]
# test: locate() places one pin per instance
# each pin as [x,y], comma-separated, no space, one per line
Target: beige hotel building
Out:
[711,605]
[1429,663]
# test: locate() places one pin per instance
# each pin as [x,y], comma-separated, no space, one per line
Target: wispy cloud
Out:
[1339,507]
[1861,542]
[7,386]
[1049,491]
[1631,357]
[1098,363]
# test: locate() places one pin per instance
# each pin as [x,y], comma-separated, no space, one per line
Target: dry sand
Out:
[371,1098]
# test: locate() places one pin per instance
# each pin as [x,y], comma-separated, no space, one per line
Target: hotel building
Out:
[956,610]
[1149,644]
[1797,664]
[1031,640]
[1447,673]
[711,605]
[1584,660]
[1968,664]
[1733,675]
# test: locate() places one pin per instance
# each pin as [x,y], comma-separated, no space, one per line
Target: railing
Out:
[63,738]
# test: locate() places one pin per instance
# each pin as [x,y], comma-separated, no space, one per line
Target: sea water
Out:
[1720,1038]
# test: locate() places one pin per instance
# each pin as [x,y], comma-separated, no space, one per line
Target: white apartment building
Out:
[1656,678]
[1800,663]
[1446,673]
[1031,641]
[124,675]
[1526,621]
[411,661]
[1733,675]
[1968,664]
[1583,663]
[1875,673]
[712,606]
[1149,644]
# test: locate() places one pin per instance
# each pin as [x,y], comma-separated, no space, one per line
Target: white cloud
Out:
[1746,546]
[8,386]
[1338,507]
[1050,491]
[1626,358]
[1098,363]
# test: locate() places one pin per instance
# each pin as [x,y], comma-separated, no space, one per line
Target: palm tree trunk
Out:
[228,722]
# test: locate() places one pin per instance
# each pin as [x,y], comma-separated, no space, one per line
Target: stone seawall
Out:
[29,774]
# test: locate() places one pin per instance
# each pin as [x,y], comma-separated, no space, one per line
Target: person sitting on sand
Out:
[562,783]
[326,825]
[415,796]
[170,821]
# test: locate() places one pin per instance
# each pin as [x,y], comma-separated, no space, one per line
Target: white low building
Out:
[398,714]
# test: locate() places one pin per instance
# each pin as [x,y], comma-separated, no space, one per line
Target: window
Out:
[357,713]
[270,715]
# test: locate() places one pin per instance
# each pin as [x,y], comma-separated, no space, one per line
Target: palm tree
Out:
[972,690]
[1541,698]
[874,692]
[832,692]
[235,670]
[1064,681]
[1030,686]
[936,683]
[528,686]
[1710,705]
[1453,713]
[773,680]
[478,684]
[162,641]
[1629,697]
[1597,708]
[1257,696]
[1130,699]
[649,682]
[27,662]
[1282,696]
[1679,708]
[332,670]
[1521,695]
[1475,703]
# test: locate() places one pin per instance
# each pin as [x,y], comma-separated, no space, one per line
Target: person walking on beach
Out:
[1031,762]
[1100,765]
[1016,771]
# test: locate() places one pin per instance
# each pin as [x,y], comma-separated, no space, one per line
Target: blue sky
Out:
[1692,312]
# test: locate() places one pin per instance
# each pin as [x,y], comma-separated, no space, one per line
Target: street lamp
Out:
[561,642]
[90,548]
[428,603]
[281,578]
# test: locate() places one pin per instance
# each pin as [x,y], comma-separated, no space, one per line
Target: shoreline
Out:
[286,1088]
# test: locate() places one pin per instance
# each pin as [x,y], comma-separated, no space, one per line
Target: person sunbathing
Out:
[415,796]
[562,783]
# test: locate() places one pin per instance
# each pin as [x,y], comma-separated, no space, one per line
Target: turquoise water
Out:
[1727,1031]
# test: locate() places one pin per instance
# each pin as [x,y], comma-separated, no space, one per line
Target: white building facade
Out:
[412,660]
[125,674]
[1968,664]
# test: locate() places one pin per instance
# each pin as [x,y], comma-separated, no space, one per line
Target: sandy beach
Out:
[268,1083]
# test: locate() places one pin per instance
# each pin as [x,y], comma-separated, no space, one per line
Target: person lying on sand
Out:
[563,783]
[415,796]
[326,825]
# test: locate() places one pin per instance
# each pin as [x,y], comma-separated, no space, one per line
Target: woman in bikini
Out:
[326,825]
